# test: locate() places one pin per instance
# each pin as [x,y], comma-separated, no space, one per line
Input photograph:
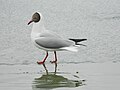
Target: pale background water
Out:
[96,20]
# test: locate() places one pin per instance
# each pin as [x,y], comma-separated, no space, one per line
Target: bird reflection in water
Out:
[51,80]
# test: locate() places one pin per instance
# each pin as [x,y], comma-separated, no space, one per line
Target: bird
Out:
[50,41]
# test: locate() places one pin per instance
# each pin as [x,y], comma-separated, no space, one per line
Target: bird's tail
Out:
[74,48]
[71,48]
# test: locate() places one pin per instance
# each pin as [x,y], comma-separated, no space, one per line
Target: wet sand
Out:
[83,76]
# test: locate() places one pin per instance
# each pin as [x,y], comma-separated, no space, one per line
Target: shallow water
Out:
[84,76]
[97,64]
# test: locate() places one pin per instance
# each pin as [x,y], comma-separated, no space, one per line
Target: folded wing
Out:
[53,43]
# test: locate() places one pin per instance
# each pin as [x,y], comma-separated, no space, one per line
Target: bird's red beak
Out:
[30,22]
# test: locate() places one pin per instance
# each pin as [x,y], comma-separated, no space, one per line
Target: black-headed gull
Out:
[48,40]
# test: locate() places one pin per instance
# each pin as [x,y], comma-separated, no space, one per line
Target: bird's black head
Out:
[35,18]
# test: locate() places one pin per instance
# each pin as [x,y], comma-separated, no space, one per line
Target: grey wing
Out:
[52,43]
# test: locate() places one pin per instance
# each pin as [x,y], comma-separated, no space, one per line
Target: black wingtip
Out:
[77,40]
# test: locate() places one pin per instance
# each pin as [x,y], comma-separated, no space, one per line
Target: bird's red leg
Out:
[55,58]
[42,62]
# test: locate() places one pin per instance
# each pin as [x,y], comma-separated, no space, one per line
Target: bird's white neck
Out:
[37,28]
